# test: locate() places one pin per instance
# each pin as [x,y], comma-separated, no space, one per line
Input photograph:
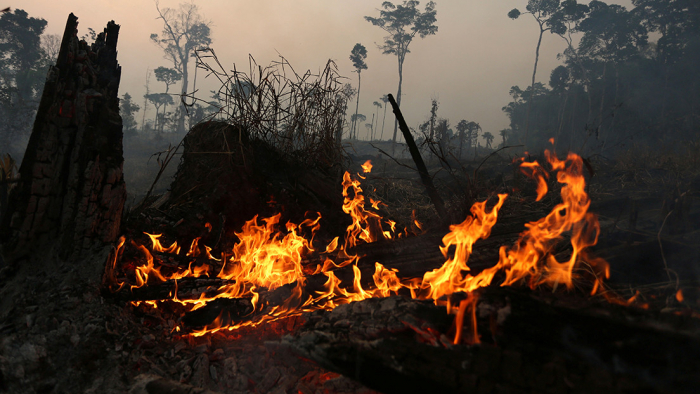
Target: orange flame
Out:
[367,167]
[266,258]
[366,225]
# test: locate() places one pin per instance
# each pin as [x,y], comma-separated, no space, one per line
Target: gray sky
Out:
[477,54]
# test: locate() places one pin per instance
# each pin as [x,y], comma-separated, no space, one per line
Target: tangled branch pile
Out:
[300,115]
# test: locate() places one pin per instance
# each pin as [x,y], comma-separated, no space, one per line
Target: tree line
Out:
[627,76]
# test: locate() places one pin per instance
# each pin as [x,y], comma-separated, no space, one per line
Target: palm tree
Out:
[489,139]
[403,22]
[385,100]
[356,118]
[503,134]
[378,105]
[473,134]
[462,127]
[358,56]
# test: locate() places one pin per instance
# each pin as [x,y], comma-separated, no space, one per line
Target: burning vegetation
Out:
[265,257]
[276,262]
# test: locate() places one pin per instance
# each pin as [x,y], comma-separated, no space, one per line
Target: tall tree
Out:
[403,22]
[358,56]
[357,118]
[565,22]
[158,100]
[169,76]
[473,129]
[50,45]
[385,100]
[22,73]
[145,98]
[611,36]
[184,30]
[489,139]
[462,127]
[378,105]
[542,11]
[346,94]
[504,134]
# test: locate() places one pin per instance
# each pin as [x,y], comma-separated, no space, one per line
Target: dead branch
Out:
[415,153]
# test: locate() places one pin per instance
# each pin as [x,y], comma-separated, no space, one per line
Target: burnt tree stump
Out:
[227,177]
[71,190]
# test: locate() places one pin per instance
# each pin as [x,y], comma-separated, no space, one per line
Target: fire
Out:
[366,225]
[266,257]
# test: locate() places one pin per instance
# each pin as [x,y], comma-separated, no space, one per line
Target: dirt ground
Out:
[59,335]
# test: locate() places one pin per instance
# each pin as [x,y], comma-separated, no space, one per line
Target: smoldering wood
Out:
[185,288]
[71,190]
[530,342]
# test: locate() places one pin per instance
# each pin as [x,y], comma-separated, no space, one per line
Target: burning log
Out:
[183,288]
[529,342]
[71,191]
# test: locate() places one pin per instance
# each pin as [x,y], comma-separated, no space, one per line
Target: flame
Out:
[366,225]
[367,167]
[266,257]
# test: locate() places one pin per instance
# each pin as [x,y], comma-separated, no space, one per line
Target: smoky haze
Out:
[469,66]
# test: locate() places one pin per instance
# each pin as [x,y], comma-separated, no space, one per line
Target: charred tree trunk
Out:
[71,190]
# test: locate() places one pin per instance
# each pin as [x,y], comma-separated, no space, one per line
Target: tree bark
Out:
[71,191]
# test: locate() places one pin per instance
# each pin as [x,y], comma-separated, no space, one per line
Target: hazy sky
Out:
[477,54]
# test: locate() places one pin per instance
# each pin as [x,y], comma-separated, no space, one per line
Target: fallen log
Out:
[529,343]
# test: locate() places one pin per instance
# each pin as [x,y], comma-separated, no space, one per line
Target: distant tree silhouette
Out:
[489,139]
[611,36]
[403,22]
[473,129]
[168,76]
[462,127]
[504,134]
[358,56]
[357,118]
[184,30]
[158,100]
[127,110]
[378,105]
[22,75]
[542,11]
[385,100]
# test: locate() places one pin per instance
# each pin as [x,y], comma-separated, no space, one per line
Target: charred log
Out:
[529,343]
[71,191]
[185,288]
